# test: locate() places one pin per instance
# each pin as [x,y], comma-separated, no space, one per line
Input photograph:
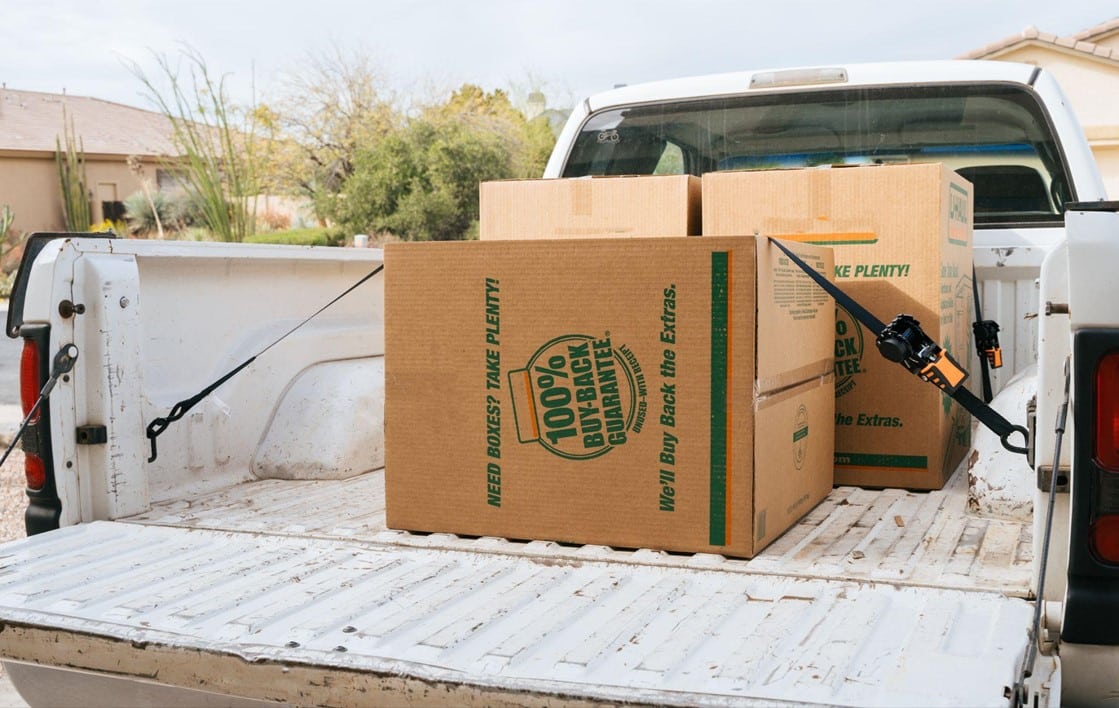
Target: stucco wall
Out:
[1092,88]
[1107,157]
[30,186]
[1092,85]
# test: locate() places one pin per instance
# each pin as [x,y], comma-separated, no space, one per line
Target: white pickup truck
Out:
[249,563]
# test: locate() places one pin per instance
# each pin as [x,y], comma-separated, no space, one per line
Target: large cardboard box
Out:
[902,239]
[662,393]
[660,205]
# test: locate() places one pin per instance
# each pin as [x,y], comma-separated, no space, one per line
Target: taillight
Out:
[1105,538]
[1107,412]
[1105,506]
[35,472]
[30,379]
[30,383]
[1091,604]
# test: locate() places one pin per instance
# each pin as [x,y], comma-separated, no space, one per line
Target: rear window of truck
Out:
[996,136]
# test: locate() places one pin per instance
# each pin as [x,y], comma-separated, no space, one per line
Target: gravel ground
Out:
[13,499]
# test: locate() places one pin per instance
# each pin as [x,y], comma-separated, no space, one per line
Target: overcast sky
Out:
[573,47]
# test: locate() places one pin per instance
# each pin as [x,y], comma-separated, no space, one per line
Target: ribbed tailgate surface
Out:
[601,630]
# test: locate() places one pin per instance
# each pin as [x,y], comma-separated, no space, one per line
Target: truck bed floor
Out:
[889,535]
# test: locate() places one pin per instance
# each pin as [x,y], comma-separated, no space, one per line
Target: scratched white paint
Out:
[889,535]
[1002,485]
[191,313]
[330,424]
[605,630]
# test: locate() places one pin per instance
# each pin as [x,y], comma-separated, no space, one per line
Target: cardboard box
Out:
[902,239]
[661,205]
[607,391]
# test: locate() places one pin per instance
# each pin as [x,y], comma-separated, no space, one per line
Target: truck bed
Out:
[289,591]
[889,535]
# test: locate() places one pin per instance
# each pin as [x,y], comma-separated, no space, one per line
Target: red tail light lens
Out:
[1105,538]
[1107,412]
[29,385]
[29,378]
[35,472]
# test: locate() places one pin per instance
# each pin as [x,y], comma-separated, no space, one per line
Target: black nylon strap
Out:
[158,425]
[983,413]
[984,371]
[859,312]
[990,417]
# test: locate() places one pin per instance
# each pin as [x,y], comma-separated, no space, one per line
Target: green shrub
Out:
[317,236]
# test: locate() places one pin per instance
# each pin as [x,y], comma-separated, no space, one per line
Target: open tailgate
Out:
[333,622]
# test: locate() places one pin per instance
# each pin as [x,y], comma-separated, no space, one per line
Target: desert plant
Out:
[149,212]
[72,180]
[9,242]
[218,157]
[7,218]
[6,283]
[136,167]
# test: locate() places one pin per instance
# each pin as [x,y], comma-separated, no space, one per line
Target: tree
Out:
[420,182]
[333,107]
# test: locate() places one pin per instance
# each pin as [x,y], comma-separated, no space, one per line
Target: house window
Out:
[112,208]
[113,211]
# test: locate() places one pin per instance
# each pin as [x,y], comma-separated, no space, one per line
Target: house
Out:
[1086,64]
[110,133]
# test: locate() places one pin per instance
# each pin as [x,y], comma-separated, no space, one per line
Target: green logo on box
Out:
[958,217]
[848,351]
[577,396]
[800,435]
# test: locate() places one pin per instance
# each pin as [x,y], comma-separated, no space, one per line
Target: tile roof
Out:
[1032,35]
[30,120]
[1098,32]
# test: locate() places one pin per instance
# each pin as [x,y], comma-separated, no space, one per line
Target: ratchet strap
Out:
[63,363]
[904,342]
[986,341]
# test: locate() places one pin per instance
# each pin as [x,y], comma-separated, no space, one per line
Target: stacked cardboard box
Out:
[662,205]
[633,392]
[902,238]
